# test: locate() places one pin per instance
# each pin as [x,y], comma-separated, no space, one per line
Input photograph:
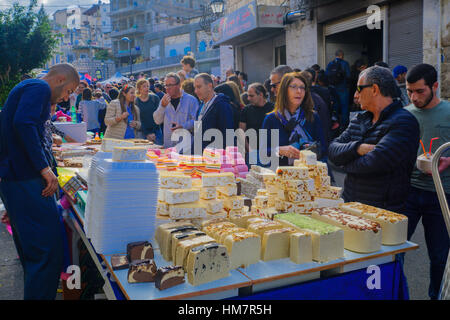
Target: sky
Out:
[51,5]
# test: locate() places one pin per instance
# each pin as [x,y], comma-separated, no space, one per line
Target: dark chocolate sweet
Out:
[167,277]
[119,262]
[239,188]
[248,202]
[140,250]
[142,271]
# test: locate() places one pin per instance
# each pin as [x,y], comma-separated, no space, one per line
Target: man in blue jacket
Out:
[216,113]
[28,184]
[338,72]
[378,149]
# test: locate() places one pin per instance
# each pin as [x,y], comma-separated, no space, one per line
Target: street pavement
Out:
[11,273]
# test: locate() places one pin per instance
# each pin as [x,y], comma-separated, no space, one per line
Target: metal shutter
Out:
[349,23]
[405,33]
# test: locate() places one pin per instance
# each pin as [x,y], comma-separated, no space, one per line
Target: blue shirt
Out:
[22,130]
[129,133]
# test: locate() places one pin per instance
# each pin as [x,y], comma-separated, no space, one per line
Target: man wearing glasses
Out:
[177,109]
[275,78]
[105,94]
[378,149]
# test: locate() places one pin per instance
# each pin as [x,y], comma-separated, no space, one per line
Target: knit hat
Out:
[399,70]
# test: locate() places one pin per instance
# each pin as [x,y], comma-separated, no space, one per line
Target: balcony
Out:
[126,53]
[129,10]
[200,57]
[128,31]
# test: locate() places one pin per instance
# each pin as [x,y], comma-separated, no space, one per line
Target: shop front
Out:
[257,35]
[375,31]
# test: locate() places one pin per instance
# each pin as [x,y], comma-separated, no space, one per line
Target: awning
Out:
[247,23]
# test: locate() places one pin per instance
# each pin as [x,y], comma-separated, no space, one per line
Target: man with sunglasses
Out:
[378,149]
[105,94]
[275,78]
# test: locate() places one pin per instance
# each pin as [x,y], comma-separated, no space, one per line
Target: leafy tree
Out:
[26,43]
[103,54]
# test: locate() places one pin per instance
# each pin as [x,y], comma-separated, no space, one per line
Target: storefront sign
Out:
[234,24]
[245,19]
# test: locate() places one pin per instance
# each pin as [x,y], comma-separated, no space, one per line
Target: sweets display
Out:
[212,229]
[243,248]
[174,180]
[177,237]
[183,248]
[254,180]
[275,244]
[228,160]
[142,271]
[73,162]
[298,189]
[187,210]
[108,144]
[217,179]
[207,263]
[300,247]
[327,240]
[176,196]
[168,277]
[166,237]
[394,226]
[360,234]
[140,250]
[119,262]
[129,154]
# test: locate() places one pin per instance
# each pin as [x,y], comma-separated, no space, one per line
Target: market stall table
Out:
[271,276]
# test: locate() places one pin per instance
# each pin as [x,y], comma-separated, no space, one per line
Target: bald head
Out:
[63,79]
[66,70]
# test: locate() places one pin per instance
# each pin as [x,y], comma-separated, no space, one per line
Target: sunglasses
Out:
[360,88]
[274,85]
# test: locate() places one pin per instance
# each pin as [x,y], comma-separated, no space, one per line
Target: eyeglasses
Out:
[172,85]
[294,87]
[274,85]
[360,88]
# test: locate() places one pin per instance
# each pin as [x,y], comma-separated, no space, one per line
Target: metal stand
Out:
[445,285]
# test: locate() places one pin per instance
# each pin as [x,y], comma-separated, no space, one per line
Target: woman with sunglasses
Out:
[122,116]
[294,117]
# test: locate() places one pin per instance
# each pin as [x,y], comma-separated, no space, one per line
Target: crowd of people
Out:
[309,109]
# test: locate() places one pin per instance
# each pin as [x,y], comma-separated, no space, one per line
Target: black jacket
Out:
[219,116]
[382,177]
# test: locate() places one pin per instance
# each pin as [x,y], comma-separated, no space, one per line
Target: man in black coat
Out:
[379,148]
[214,118]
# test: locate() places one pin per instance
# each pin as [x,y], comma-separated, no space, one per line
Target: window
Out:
[280,55]
[177,45]
[154,49]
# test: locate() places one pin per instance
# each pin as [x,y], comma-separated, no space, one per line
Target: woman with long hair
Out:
[227,90]
[236,94]
[122,116]
[236,80]
[148,102]
[294,117]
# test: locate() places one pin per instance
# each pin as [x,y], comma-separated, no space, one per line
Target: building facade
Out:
[152,36]
[255,32]
[404,32]
[82,33]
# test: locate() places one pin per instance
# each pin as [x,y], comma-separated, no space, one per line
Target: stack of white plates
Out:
[122,204]
[92,182]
